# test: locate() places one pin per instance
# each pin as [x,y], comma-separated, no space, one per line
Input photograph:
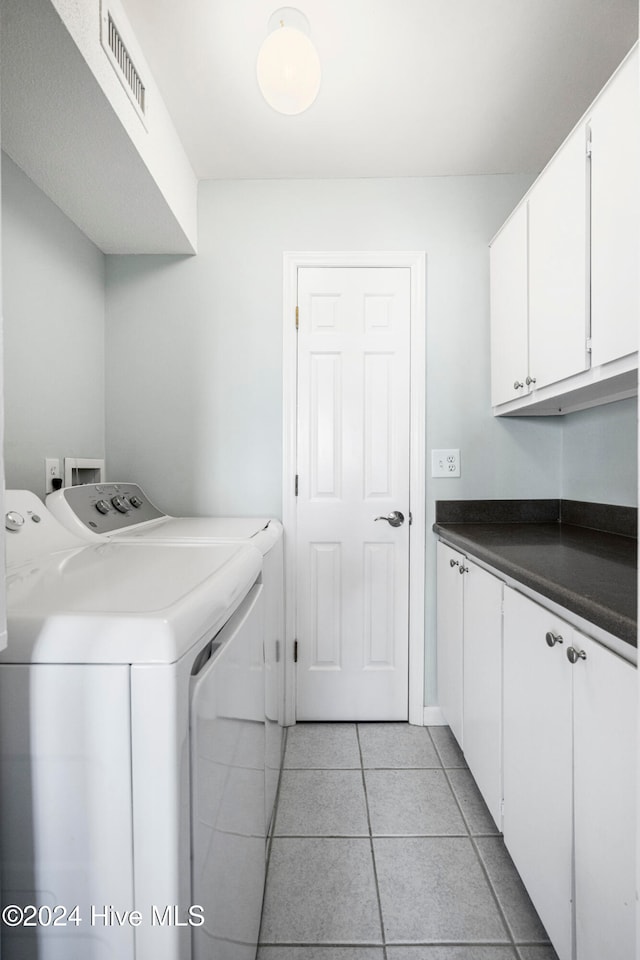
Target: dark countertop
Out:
[592,573]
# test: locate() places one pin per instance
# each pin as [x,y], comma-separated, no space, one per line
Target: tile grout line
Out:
[276,804]
[476,850]
[269,844]
[373,855]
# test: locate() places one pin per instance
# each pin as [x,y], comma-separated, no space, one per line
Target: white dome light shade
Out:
[288,70]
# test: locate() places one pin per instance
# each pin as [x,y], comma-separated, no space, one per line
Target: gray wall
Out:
[599,454]
[53,304]
[194,346]
[198,341]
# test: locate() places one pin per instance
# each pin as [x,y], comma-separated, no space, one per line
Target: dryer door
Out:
[228,787]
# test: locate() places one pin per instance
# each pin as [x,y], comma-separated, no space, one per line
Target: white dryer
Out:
[123,512]
[131,747]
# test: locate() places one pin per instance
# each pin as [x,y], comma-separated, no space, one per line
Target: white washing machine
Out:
[123,512]
[131,747]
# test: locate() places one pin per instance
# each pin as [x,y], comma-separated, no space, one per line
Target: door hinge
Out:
[296,485]
[295,651]
[589,142]
[589,345]
[297,317]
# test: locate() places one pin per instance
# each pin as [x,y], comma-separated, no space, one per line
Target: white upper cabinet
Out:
[558,256]
[615,216]
[509,310]
[565,288]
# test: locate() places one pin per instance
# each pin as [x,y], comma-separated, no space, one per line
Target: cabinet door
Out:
[538,761]
[558,257]
[615,215]
[483,684]
[605,757]
[509,310]
[449,617]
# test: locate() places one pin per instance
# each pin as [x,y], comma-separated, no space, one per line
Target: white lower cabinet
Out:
[605,760]
[537,761]
[482,683]
[470,667]
[569,728]
[450,634]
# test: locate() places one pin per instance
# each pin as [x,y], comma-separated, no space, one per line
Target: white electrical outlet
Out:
[445,463]
[51,473]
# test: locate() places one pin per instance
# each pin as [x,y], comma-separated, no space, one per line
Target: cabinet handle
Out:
[463,570]
[517,384]
[530,380]
[574,655]
[553,638]
[454,563]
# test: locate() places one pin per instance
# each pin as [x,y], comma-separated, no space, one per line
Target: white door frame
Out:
[416,262]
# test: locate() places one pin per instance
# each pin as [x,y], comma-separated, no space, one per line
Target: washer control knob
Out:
[102,506]
[135,502]
[120,504]
[13,520]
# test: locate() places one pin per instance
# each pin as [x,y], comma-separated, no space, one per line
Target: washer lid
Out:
[198,528]
[261,532]
[89,512]
[108,603]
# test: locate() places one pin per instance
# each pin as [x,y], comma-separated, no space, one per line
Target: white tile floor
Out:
[383,849]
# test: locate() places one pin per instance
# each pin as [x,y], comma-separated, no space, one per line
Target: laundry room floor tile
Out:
[510,891]
[433,880]
[451,953]
[412,803]
[321,890]
[433,889]
[537,953]
[322,803]
[393,745]
[322,746]
[448,750]
[474,809]
[320,953]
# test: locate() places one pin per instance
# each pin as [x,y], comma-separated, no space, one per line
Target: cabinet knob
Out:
[454,563]
[553,638]
[530,380]
[463,570]
[517,384]
[574,655]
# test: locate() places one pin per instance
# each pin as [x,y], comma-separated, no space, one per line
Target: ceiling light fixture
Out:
[288,65]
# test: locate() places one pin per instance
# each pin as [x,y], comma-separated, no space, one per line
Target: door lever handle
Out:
[394,519]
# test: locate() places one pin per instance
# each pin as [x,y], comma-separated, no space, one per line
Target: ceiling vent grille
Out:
[121,61]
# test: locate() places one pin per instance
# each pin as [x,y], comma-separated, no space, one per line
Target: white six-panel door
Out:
[353,466]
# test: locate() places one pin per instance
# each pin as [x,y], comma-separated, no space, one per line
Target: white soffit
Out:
[61,128]
[409,87]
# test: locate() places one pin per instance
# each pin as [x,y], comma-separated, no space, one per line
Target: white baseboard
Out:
[433,717]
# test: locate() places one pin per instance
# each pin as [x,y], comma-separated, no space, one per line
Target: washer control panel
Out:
[105,508]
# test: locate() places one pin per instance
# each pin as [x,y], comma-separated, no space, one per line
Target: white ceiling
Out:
[410,87]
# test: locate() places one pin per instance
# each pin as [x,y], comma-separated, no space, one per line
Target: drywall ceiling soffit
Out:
[409,88]
[59,127]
